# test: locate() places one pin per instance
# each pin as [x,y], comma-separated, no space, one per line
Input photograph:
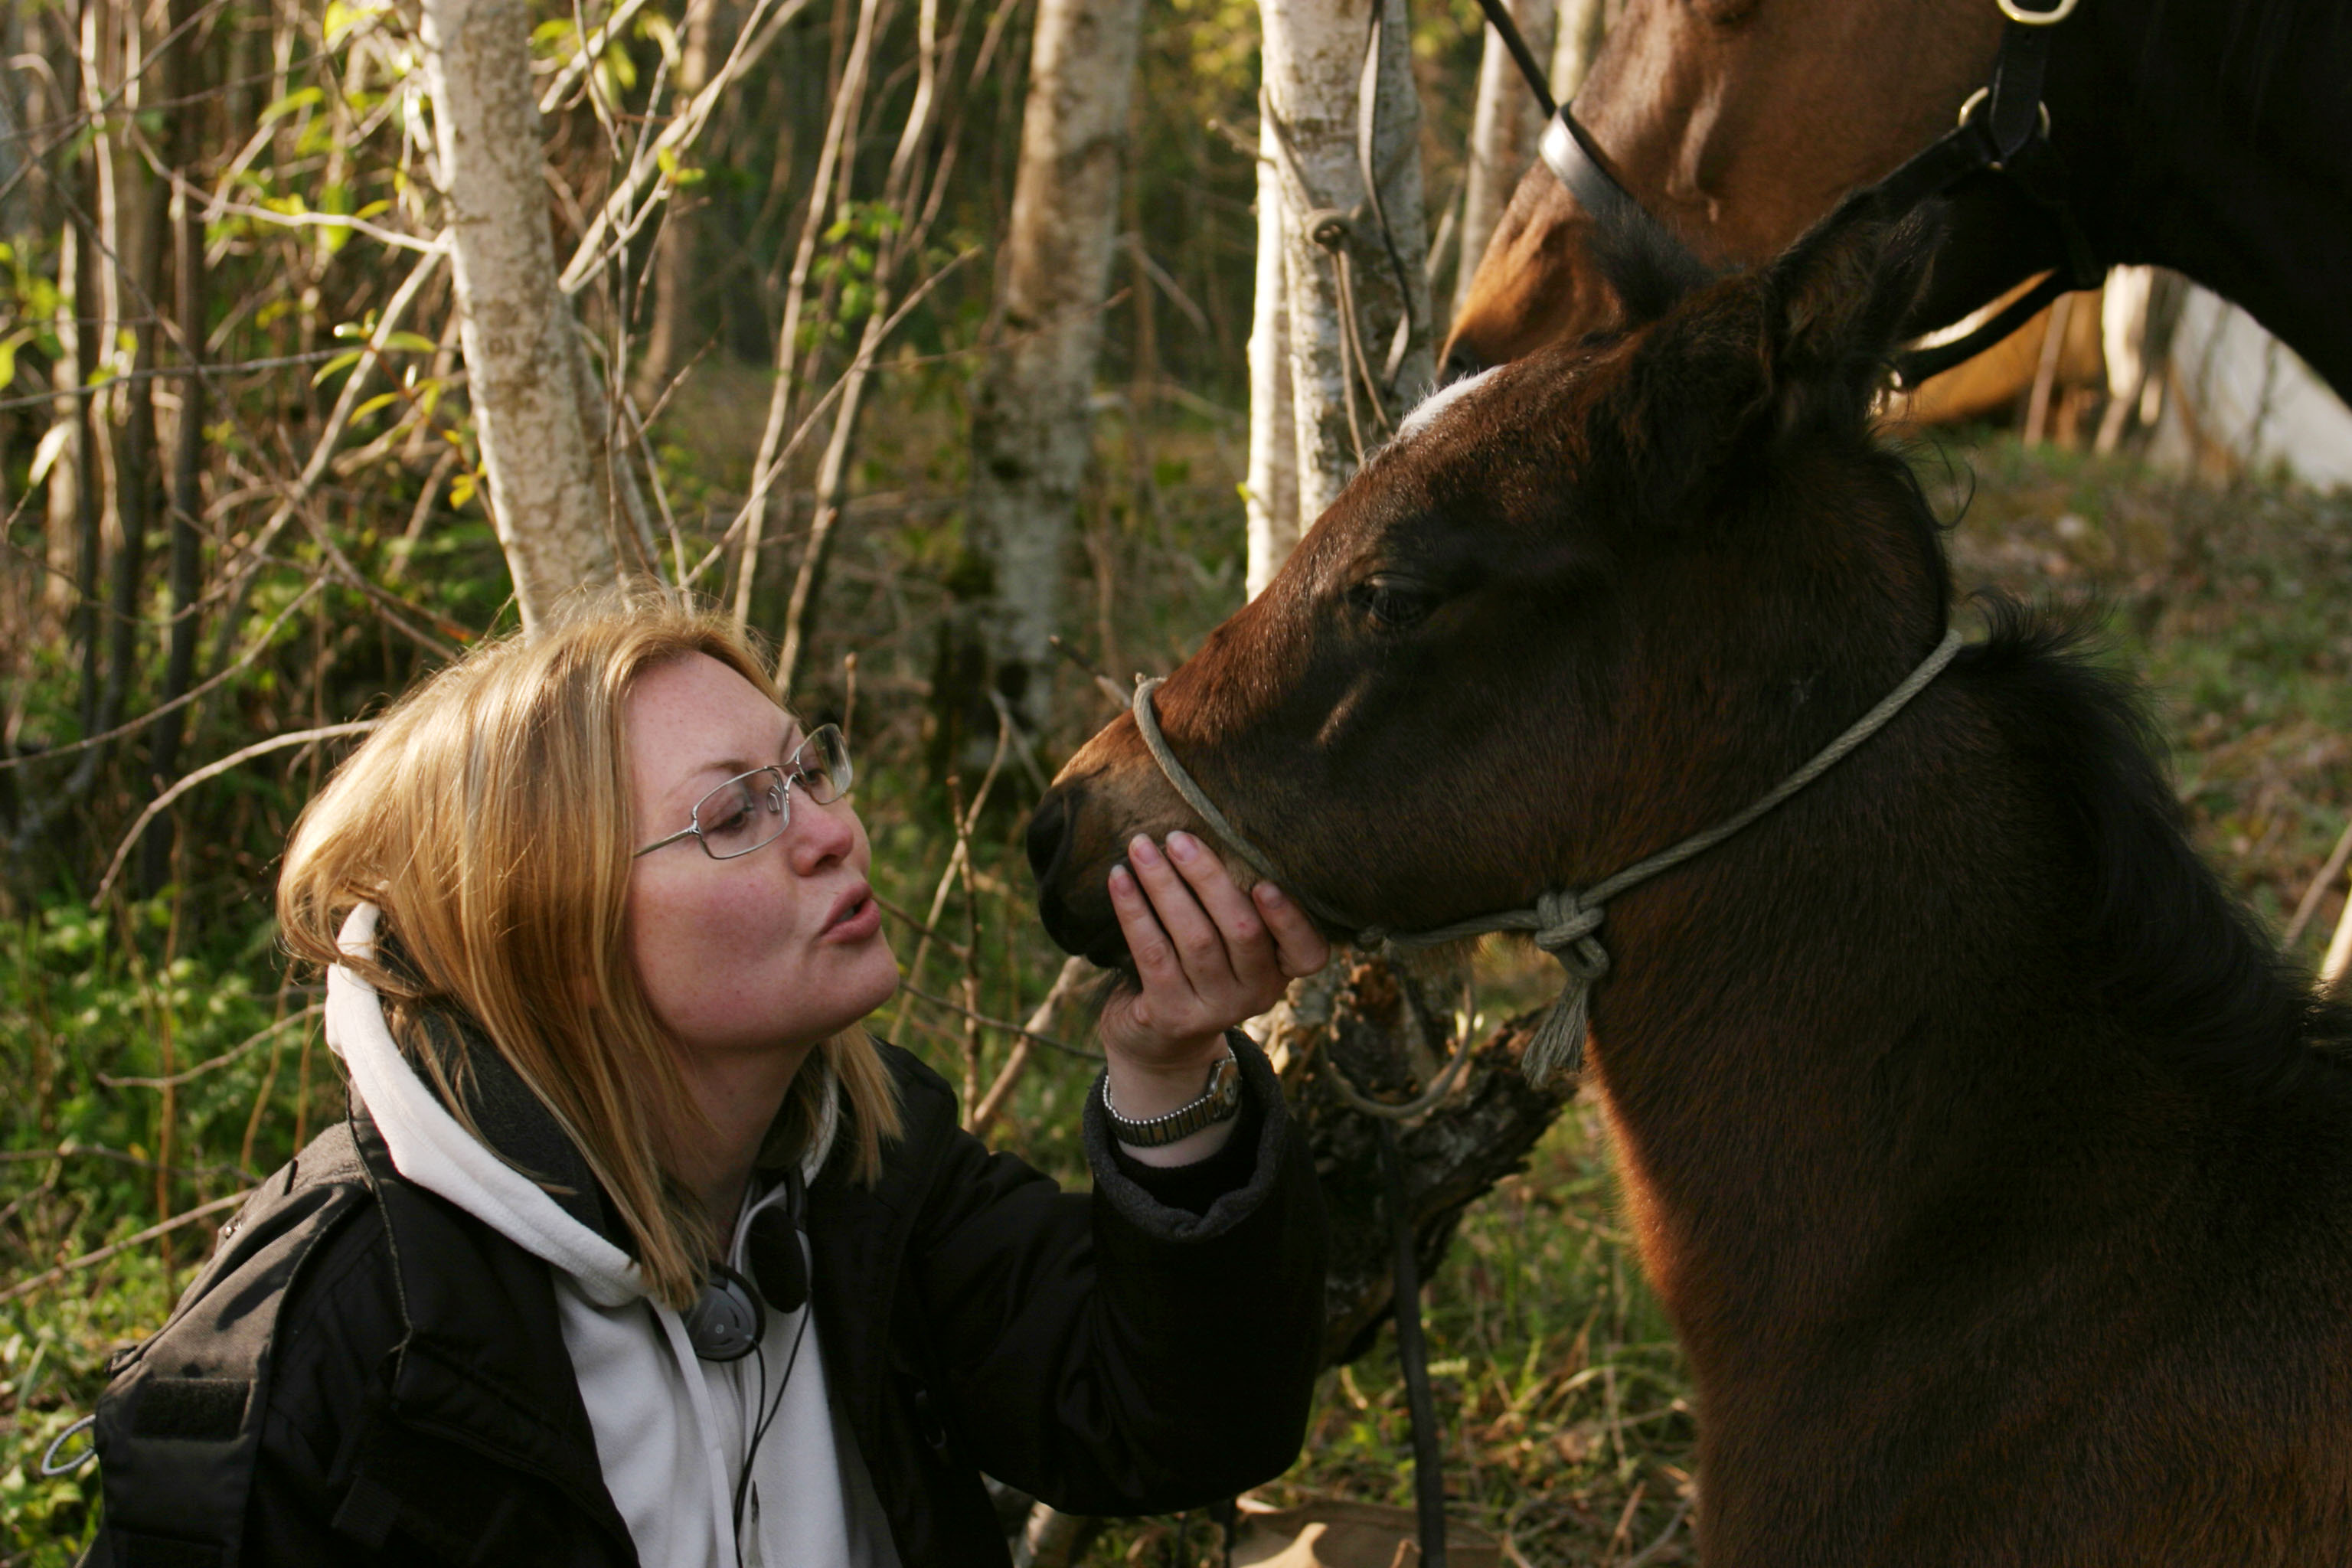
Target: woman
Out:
[635,1246]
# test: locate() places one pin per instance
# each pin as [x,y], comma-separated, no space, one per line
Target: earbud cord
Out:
[752,1452]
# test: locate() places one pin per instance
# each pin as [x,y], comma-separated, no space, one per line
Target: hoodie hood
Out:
[561,1217]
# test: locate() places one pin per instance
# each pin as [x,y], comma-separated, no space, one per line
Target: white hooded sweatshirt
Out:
[672,1430]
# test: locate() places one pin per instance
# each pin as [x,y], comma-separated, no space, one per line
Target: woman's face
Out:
[772,951]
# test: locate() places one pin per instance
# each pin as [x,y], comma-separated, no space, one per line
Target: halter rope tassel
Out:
[1563,922]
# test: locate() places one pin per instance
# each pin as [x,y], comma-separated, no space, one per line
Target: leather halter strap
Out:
[2003,128]
[1563,922]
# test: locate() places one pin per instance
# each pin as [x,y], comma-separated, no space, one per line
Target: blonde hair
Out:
[517,913]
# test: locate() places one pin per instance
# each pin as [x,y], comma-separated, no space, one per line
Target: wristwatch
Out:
[1219,1101]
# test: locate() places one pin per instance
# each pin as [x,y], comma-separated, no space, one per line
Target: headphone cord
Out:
[767,1418]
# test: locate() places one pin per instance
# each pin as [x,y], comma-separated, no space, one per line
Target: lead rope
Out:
[1564,921]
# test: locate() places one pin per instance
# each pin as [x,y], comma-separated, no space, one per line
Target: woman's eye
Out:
[727,814]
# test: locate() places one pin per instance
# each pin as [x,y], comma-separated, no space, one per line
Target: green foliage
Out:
[91,1004]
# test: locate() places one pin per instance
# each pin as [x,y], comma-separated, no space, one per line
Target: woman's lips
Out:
[854,917]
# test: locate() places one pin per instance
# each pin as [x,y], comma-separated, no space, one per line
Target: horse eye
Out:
[1394,604]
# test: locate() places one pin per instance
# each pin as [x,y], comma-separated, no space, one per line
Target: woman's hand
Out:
[1207,956]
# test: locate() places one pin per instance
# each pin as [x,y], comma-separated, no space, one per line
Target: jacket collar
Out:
[482,1361]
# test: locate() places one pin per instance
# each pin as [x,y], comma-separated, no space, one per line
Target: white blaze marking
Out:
[1424,413]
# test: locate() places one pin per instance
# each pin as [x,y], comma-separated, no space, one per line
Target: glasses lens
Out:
[822,765]
[742,814]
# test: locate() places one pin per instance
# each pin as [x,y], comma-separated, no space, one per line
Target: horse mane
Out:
[2174,955]
[2258,34]
[1648,274]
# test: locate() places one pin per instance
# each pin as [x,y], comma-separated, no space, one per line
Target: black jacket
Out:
[366,1374]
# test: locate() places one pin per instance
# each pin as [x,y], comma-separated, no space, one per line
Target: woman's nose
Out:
[819,834]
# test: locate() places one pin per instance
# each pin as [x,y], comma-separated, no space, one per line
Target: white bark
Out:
[524,367]
[1031,432]
[1272,487]
[1580,26]
[1315,62]
[1504,127]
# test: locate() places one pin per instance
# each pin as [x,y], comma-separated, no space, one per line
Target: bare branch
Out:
[90,1260]
[213,770]
[226,1057]
[259,645]
[1074,970]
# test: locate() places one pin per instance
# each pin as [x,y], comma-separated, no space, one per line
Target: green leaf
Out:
[9,347]
[679,175]
[48,452]
[299,98]
[340,362]
[654,26]
[373,404]
[341,18]
[413,343]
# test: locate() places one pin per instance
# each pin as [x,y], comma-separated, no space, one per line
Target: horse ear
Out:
[1800,345]
[1836,301]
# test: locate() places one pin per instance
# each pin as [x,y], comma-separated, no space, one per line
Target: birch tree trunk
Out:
[1504,127]
[1334,68]
[1271,489]
[1579,29]
[1031,431]
[523,361]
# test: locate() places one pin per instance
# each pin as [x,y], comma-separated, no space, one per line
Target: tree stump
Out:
[1390,1028]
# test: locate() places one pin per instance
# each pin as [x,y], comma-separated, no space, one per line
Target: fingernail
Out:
[1268,893]
[1183,846]
[1121,879]
[1141,847]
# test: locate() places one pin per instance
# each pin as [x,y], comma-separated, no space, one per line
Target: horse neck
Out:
[1822,1037]
[2171,118]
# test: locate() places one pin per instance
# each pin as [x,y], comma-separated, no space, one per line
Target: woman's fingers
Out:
[1248,955]
[1199,942]
[1207,954]
[1299,948]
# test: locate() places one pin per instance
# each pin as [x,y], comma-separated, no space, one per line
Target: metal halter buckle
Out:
[2023,17]
[1977,101]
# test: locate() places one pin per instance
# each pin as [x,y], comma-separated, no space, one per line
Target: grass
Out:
[1568,1429]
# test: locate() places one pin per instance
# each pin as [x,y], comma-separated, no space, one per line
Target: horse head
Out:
[1738,124]
[1582,605]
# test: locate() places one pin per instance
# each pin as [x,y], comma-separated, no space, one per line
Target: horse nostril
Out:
[1048,839]
[1462,365]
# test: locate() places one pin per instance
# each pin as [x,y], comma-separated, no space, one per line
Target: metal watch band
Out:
[1219,1101]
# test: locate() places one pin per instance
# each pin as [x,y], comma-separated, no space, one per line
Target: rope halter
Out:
[1564,922]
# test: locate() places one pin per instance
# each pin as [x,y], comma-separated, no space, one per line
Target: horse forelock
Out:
[1425,413]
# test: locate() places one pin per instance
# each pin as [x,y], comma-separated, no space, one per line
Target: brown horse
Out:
[2214,137]
[1996,1171]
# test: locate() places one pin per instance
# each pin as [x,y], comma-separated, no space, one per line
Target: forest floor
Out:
[1567,1409]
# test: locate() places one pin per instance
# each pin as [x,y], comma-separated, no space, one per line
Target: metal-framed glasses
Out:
[750,810]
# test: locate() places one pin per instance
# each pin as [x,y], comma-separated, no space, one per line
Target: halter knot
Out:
[1566,926]
[1563,919]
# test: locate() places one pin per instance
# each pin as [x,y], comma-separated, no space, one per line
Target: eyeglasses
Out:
[750,810]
